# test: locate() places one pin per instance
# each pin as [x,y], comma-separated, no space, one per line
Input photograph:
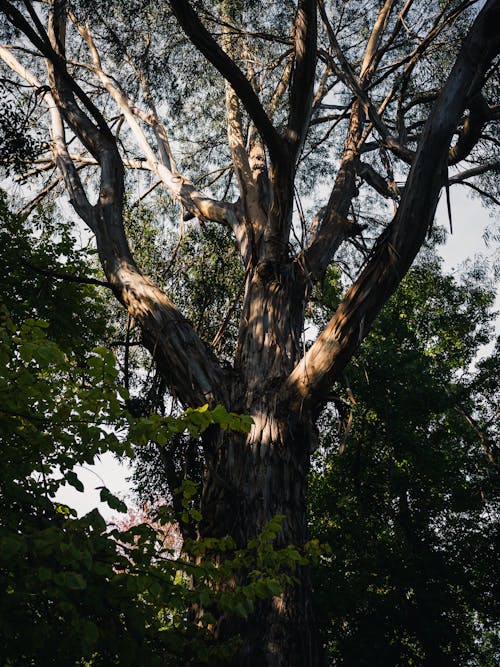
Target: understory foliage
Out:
[405,491]
[75,590]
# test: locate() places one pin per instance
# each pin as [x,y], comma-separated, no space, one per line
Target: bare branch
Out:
[376,181]
[482,192]
[475,171]
[399,243]
[197,203]
[83,280]
[370,59]
[59,148]
[479,114]
[335,226]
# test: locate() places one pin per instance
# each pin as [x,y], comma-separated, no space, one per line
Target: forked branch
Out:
[397,247]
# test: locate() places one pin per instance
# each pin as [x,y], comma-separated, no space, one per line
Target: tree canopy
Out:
[405,492]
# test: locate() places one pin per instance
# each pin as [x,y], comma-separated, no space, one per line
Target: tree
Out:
[408,498]
[281,87]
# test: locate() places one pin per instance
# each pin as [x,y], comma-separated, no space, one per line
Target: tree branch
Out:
[46,47]
[191,370]
[59,147]
[479,114]
[302,82]
[206,44]
[398,245]
[462,176]
[197,203]
[376,181]
[334,227]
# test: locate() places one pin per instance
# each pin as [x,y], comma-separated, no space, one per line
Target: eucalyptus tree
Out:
[313,133]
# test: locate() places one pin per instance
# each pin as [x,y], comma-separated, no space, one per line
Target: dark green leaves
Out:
[72,478]
[111,500]
[406,498]
[74,589]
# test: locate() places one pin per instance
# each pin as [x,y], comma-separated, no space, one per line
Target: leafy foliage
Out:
[74,589]
[132,83]
[32,254]
[408,498]
[20,142]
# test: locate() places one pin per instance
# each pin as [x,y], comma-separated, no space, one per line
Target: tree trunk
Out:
[253,478]
[252,481]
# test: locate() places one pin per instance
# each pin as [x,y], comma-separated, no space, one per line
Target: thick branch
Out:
[399,244]
[462,176]
[376,181]
[302,83]
[370,57]
[197,203]
[479,114]
[59,148]
[190,369]
[46,47]
[346,73]
[334,227]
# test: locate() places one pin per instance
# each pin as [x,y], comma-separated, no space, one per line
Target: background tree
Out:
[365,100]
[408,497]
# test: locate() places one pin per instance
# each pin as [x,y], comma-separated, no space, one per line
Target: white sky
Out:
[470,220]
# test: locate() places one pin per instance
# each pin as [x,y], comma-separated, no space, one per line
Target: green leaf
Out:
[112,501]
[10,546]
[72,580]
[72,479]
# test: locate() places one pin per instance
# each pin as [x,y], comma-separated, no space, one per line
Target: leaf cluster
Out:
[74,590]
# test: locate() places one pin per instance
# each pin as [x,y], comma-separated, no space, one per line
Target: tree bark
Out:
[258,478]
[252,479]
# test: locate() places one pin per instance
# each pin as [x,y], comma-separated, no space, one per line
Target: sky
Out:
[470,221]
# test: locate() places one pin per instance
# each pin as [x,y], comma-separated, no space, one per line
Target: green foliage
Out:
[205,274]
[20,138]
[208,280]
[408,498]
[45,244]
[194,420]
[73,590]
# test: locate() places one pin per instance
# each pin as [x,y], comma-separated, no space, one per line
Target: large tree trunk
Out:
[255,478]
[252,481]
